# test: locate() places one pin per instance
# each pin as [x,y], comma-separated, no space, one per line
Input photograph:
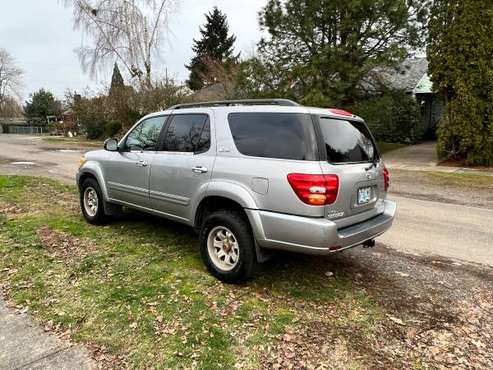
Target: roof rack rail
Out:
[219,103]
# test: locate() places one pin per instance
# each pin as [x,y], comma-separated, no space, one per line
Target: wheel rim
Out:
[223,248]
[91,201]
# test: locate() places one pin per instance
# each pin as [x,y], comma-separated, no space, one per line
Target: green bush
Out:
[112,128]
[94,130]
[394,117]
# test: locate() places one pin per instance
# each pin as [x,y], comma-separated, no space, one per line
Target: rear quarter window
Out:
[274,135]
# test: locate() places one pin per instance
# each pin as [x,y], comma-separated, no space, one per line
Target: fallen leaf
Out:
[396,320]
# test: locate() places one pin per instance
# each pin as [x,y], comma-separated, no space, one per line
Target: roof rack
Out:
[280,102]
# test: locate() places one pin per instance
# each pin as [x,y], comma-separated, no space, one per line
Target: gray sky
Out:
[39,34]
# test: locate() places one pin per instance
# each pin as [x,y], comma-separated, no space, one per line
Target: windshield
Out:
[347,141]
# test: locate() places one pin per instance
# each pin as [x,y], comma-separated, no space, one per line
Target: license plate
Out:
[364,195]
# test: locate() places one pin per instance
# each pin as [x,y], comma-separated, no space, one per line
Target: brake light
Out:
[340,112]
[315,190]
[386,178]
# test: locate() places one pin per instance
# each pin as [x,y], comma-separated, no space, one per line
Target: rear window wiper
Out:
[374,163]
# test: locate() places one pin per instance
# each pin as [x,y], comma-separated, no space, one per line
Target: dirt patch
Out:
[10,209]
[437,313]
[61,245]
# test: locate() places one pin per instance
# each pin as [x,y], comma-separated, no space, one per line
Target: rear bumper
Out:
[318,236]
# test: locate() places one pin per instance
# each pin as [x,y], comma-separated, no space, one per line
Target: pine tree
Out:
[215,46]
[117,83]
[320,50]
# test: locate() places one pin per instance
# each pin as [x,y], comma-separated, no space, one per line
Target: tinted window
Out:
[145,136]
[188,133]
[205,139]
[274,135]
[347,141]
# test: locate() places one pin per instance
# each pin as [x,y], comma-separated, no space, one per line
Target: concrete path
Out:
[23,345]
[423,157]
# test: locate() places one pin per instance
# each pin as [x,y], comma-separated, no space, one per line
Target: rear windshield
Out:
[274,135]
[347,141]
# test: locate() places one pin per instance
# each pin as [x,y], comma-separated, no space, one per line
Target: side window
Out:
[274,135]
[188,133]
[146,135]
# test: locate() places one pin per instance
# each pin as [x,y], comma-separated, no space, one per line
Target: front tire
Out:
[227,246]
[92,202]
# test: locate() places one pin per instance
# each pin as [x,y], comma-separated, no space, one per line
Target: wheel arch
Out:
[214,203]
[91,169]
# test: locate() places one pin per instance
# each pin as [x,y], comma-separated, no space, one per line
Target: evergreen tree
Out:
[117,83]
[320,50]
[215,46]
[460,53]
[41,104]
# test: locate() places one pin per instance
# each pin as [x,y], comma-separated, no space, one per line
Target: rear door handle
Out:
[199,169]
[142,163]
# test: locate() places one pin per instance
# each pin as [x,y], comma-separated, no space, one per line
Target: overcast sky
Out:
[39,34]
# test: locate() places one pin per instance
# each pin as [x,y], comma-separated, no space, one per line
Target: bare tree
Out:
[10,77]
[129,31]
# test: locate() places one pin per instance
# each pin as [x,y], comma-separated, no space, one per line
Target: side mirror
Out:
[111,145]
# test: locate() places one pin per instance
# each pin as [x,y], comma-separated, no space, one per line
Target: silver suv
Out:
[250,176]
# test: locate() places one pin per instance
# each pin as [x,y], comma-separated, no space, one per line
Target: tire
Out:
[92,202]
[231,230]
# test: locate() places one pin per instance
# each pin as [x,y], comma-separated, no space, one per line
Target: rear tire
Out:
[92,202]
[227,246]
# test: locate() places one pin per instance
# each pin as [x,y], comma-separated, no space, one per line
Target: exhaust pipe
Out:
[369,243]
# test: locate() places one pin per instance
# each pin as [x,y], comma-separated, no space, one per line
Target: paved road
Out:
[423,227]
[47,159]
[449,230]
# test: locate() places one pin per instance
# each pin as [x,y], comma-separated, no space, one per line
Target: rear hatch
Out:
[349,151]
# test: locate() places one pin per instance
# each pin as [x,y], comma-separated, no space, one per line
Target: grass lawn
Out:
[137,291]
[77,141]
[458,181]
[388,147]
[461,180]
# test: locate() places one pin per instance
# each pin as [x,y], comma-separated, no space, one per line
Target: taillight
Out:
[316,190]
[386,178]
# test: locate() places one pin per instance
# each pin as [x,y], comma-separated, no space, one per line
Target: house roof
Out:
[424,86]
[411,76]
[408,74]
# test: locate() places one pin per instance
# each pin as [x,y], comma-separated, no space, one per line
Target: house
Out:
[412,77]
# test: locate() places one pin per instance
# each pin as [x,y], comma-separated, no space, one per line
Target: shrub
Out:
[112,128]
[94,130]
[394,117]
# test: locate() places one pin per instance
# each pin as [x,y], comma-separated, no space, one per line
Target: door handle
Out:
[199,169]
[142,163]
